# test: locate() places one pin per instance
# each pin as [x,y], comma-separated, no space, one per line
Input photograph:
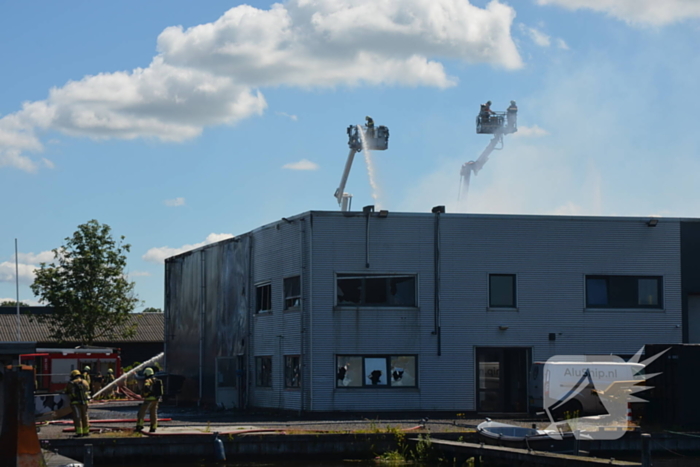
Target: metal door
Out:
[226,390]
[694,319]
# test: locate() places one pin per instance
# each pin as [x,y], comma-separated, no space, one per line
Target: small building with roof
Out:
[144,344]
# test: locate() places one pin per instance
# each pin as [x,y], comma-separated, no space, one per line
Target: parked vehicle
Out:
[554,381]
[53,366]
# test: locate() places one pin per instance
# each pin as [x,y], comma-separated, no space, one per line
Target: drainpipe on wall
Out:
[437,210]
[302,331]
[166,313]
[250,361]
[368,210]
[311,313]
[202,292]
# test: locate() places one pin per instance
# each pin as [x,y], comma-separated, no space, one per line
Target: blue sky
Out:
[180,123]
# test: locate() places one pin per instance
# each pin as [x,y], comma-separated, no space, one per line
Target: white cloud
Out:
[292,117]
[561,44]
[26,264]
[159,254]
[7,272]
[139,274]
[303,164]
[650,12]
[530,132]
[537,36]
[211,74]
[31,258]
[174,202]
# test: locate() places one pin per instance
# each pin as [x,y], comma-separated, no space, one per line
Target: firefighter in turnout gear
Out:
[152,390]
[86,377]
[77,390]
[109,378]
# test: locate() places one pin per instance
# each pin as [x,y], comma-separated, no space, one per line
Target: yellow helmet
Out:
[74,373]
[148,372]
[110,371]
[86,368]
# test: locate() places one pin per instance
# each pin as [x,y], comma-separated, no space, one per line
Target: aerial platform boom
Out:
[497,124]
[360,138]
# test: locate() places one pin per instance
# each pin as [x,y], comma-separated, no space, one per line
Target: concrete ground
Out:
[194,421]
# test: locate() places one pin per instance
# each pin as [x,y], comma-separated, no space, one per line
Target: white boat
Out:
[51,406]
[513,436]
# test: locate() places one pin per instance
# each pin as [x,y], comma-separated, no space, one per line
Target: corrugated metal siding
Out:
[183,284]
[277,254]
[398,244]
[550,255]
[206,289]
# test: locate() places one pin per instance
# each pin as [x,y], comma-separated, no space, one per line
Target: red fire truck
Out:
[53,366]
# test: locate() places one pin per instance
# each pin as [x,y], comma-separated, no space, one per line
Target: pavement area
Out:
[117,419]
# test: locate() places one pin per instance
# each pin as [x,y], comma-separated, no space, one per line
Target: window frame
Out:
[259,382]
[258,286]
[514,294]
[288,372]
[285,298]
[225,383]
[625,288]
[363,290]
[388,359]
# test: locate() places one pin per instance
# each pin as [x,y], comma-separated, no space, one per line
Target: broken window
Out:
[292,293]
[263,372]
[376,371]
[372,290]
[349,372]
[292,371]
[263,297]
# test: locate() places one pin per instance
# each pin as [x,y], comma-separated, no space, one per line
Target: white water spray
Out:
[371,171]
[157,359]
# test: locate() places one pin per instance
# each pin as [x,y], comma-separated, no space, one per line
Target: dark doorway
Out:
[502,379]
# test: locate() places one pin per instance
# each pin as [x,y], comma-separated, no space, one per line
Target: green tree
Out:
[87,286]
[150,309]
[13,304]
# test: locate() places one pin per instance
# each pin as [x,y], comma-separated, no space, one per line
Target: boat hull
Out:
[511,436]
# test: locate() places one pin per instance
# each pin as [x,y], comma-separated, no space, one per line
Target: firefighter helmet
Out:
[148,372]
[74,373]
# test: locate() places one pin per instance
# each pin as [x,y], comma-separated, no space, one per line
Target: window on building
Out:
[263,297]
[624,292]
[376,290]
[292,371]
[502,291]
[359,371]
[226,372]
[263,372]
[292,293]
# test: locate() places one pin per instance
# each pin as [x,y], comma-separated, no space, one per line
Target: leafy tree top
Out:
[87,286]
[151,309]
[13,304]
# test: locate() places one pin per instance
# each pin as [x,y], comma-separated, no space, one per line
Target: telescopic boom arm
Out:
[488,122]
[360,138]
[345,199]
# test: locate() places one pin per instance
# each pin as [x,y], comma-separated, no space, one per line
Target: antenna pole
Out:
[19,334]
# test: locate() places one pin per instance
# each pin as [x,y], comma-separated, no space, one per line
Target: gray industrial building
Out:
[387,311]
